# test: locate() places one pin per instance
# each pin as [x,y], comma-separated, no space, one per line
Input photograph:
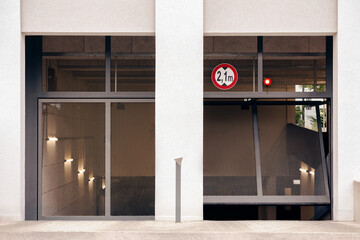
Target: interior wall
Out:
[133,139]
[228,141]
[80,130]
[284,147]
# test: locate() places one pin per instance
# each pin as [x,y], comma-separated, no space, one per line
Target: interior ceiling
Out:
[136,61]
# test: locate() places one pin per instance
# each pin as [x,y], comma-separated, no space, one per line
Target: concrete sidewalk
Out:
[154,230]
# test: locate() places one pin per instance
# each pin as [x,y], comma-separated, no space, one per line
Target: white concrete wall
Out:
[347,111]
[12,112]
[116,17]
[179,106]
[264,17]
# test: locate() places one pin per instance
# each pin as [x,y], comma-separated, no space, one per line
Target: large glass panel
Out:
[229,161]
[133,64]
[132,159]
[295,64]
[73,159]
[290,153]
[240,52]
[74,64]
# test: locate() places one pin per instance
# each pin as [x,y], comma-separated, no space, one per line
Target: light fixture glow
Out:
[296,181]
[69,160]
[81,171]
[312,172]
[53,139]
[103,187]
[91,179]
[302,170]
[267,82]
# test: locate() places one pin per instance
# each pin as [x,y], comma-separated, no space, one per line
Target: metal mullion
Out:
[107,159]
[69,54]
[100,95]
[268,199]
[299,54]
[260,63]
[322,152]
[281,95]
[33,85]
[330,139]
[39,159]
[99,218]
[72,100]
[329,64]
[315,76]
[287,103]
[257,150]
[107,64]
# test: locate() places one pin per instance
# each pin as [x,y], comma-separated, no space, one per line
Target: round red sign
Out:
[224,76]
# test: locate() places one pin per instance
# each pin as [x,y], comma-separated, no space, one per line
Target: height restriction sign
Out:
[224,76]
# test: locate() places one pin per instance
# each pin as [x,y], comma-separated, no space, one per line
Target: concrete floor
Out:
[154,230]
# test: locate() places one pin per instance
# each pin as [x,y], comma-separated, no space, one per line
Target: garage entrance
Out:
[267,148]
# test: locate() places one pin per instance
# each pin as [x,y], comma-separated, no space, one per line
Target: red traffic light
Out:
[267,82]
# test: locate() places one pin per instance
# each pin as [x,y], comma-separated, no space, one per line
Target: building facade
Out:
[100,98]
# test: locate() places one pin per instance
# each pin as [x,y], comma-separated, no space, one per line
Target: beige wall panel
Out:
[143,44]
[231,17]
[208,44]
[235,44]
[94,44]
[121,44]
[286,44]
[317,44]
[88,17]
[63,44]
[295,44]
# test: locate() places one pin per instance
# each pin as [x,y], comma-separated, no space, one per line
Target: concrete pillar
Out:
[347,109]
[179,106]
[11,107]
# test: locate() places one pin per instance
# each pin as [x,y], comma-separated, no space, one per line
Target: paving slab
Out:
[158,230]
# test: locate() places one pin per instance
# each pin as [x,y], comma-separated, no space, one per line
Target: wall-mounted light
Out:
[296,181]
[91,179]
[306,171]
[81,171]
[69,160]
[53,139]
[103,187]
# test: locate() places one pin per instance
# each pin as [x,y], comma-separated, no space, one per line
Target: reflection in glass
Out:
[73,159]
[132,75]
[229,160]
[132,159]
[293,74]
[73,74]
[133,64]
